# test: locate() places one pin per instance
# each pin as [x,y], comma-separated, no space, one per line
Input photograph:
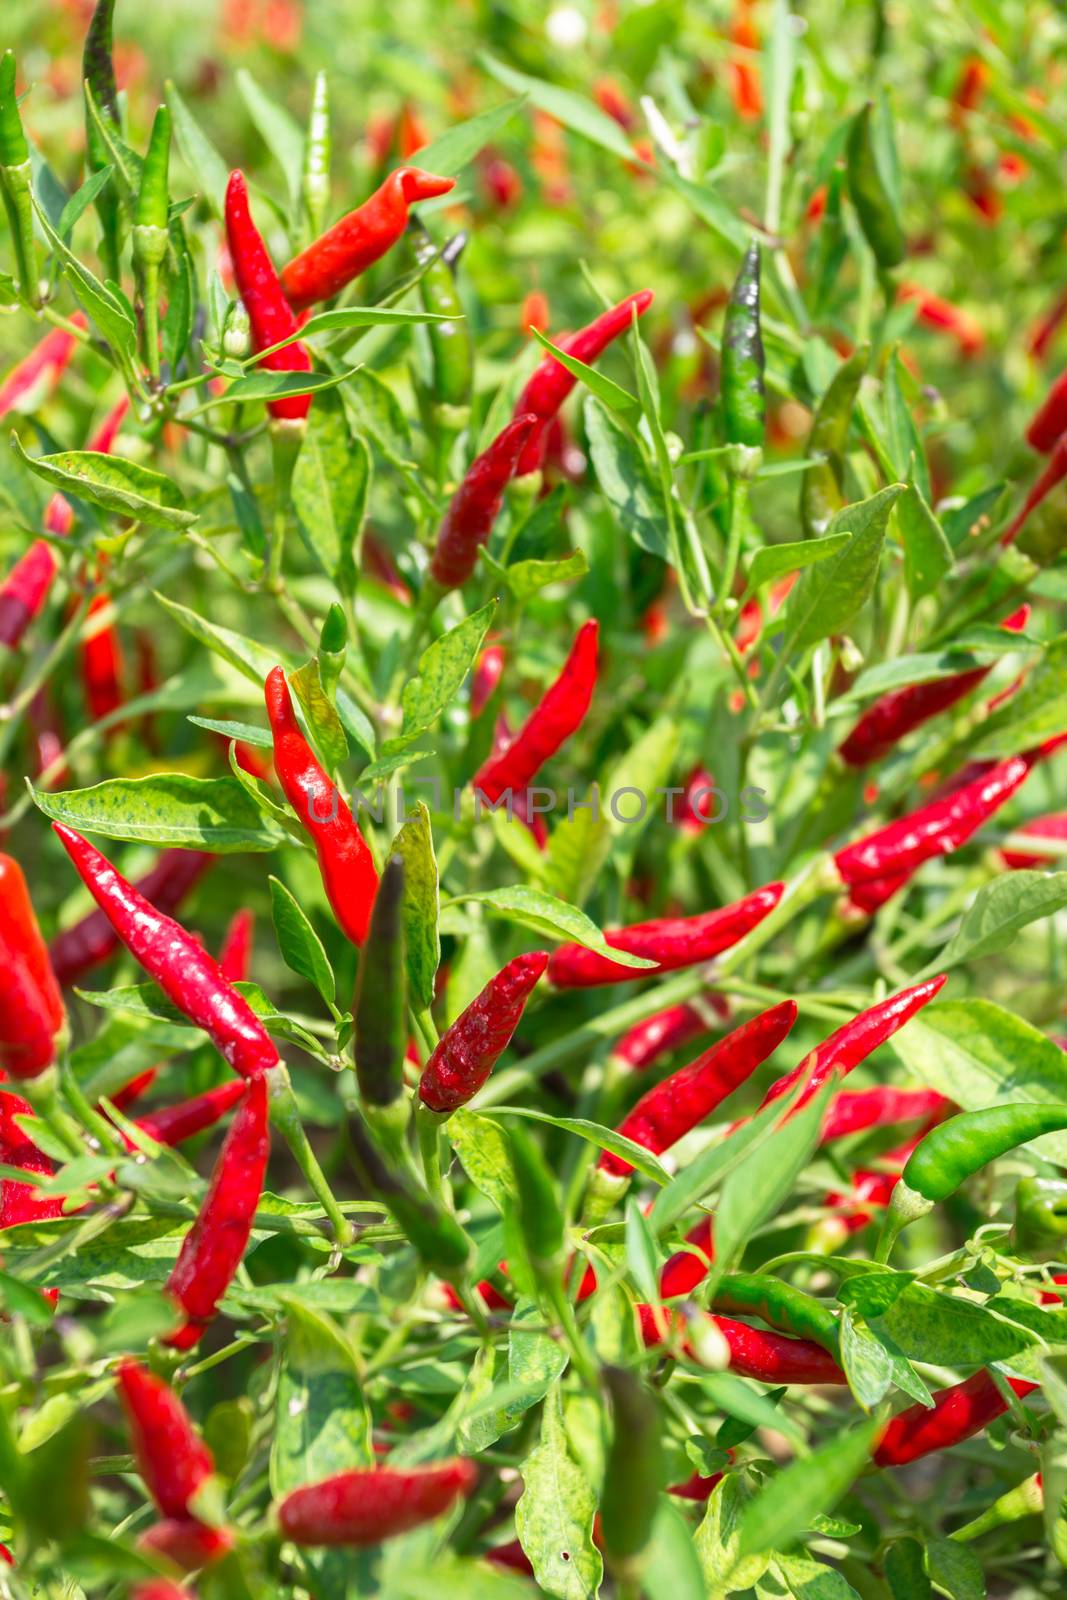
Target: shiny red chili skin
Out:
[467,1052]
[93,940]
[189,1544]
[685,1269]
[551,383]
[349,875]
[173,1124]
[556,716]
[359,239]
[1053,826]
[364,1507]
[31,1006]
[895,715]
[672,942]
[23,1202]
[188,976]
[212,1250]
[672,1108]
[487,673]
[172,1458]
[269,312]
[856,1110]
[668,1030]
[855,1040]
[235,954]
[476,504]
[1050,420]
[768,1357]
[958,1413]
[933,830]
[102,664]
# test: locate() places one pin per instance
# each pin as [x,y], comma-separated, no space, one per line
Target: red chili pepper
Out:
[93,940]
[667,1031]
[1046,328]
[697,1487]
[365,1507]
[188,1544]
[503,186]
[102,664]
[212,1249]
[23,1202]
[132,1091]
[957,1414]
[1054,473]
[895,715]
[172,1458]
[160,1589]
[944,317]
[476,505]
[870,897]
[31,1006]
[488,670]
[673,942]
[686,1268]
[34,377]
[260,289]
[235,956]
[971,86]
[173,1124]
[856,1110]
[1050,419]
[188,976]
[349,875]
[359,239]
[768,1357]
[556,716]
[1053,826]
[933,830]
[510,1556]
[615,104]
[468,1051]
[551,382]
[854,1041]
[668,1112]
[744,76]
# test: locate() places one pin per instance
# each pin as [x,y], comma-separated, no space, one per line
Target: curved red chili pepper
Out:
[235,955]
[42,368]
[1050,419]
[556,716]
[359,239]
[856,1110]
[672,942]
[933,830]
[172,1458]
[476,504]
[93,939]
[487,673]
[670,1110]
[31,1006]
[173,1124]
[366,1506]
[23,1202]
[768,1357]
[685,1268]
[957,1414]
[269,312]
[188,1544]
[1053,826]
[1053,474]
[551,383]
[944,317]
[469,1049]
[349,875]
[180,965]
[890,719]
[102,664]
[212,1250]
[668,1030]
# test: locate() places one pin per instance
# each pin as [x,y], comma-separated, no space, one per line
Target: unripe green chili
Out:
[779,1305]
[150,230]
[955,1150]
[101,91]
[870,196]
[98,69]
[1040,1216]
[823,494]
[315,182]
[632,1475]
[433,1233]
[333,641]
[380,1010]
[743,402]
[15,182]
[540,1216]
[1026,1500]
[450,342]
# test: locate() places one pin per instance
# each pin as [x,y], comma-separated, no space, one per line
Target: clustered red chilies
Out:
[467,1052]
[349,875]
[271,316]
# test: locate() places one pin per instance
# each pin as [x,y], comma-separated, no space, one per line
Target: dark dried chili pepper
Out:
[379,1009]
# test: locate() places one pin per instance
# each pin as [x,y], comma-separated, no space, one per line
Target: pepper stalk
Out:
[150,232]
[15,176]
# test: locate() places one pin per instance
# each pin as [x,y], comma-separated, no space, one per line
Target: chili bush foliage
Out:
[784,585]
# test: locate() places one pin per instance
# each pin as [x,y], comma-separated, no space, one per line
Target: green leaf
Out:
[330,486]
[112,484]
[642,1253]
[442,669]
[926,1324]
[457,147]
[757,1186]
[243,732]
[927,552]
[322,1423]
[281,134]
[527,578]
[603,1138]
[298,942]
[320,713]
[363,317]
[1035,712]
[671,1567]
[955,1570]
[483,1148]
[632,493]
[708,205]
[609,394]
[829,596]
[776,559]
[725,1566]
[794,1495]
[550,917]
[1000,910]
[250,657]
[207,166]
[266,386]
[167,808]
[554,1515]
[573,110]
[422,940]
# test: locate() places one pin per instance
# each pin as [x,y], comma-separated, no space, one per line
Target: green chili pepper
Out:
[450,346]
[15,182]
[97,157]
[315,184]
[1041,1216]
[98,68]
[870,195]
[540,1216]
[433,1233]
[150,230]
[1025,1500]
[632,1474]
[742,357]
[380,1011]
[955,1150]
[98,77]
[823,493]
[779,1305]
[333,642]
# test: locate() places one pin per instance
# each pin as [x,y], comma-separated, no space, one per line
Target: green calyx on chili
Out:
[557,715]
[467,1052]
[173,1459]
[260,289]
[359,239]
[955,1150]
[315,179]
[212,1250]
[633,1471]
[671,942]
[31,1006]
[15,182]
[743,401]
[380,1011]
[349,875]
[368,1505]
[870,194]
[476,504]
[188,976]
[822,493]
